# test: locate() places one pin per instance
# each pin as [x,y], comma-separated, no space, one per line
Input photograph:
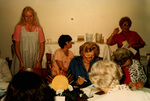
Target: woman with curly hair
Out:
[81,65]
[132,37]
[134,74]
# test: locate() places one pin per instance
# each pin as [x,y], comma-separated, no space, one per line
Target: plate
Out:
[60,82]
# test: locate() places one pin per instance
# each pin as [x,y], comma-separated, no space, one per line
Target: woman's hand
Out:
[64,72]
[38,64]
[131,84]
[139,85]
[80,81]
[116,30]
[21,68]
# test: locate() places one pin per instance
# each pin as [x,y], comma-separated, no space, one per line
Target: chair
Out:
[49,61]
[42,72]
[148,70]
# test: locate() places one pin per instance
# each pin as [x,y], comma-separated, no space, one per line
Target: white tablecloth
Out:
[51,48]
[96,96]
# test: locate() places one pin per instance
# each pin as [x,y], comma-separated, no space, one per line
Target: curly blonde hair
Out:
[88,47]
[105,73]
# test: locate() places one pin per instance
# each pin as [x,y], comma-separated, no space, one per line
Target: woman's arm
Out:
[17,50]
[42,48]
[116,30]
[62,69]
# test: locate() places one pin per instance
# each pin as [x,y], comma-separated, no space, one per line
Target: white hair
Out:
[105,73]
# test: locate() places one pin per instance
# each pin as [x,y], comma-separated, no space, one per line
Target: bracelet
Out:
[38,60]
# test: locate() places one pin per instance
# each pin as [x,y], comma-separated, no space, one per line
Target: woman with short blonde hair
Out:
[105,74]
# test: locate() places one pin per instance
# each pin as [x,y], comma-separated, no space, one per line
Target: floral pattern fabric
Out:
[136,71]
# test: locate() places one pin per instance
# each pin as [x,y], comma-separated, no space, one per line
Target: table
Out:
[99,95]
[52,47]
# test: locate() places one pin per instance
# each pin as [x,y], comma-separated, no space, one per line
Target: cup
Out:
[89,37]
[98,37]
[80,38]
[102,40]
[49,40]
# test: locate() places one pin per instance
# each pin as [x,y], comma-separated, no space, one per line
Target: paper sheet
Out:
[126,45]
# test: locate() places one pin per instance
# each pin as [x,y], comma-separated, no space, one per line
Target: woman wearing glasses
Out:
[132,37]
[134,75]
[81,65]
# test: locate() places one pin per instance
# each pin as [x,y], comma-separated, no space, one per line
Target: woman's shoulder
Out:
[133,32]
[39,27]
[77,59]
[70,52]
[18,26]
[59,50]
[134,61]
[136,64]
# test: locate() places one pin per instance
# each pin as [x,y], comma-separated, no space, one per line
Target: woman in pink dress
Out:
[62,56]
[29,42]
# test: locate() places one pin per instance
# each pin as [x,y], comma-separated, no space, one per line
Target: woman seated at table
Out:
[28,86]
[105,75]
[133,69]
[81,65]
[62,56]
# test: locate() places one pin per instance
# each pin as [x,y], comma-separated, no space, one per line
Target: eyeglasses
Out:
[126,25]
[91,57]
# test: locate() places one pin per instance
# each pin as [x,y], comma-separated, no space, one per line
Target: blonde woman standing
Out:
[29,42]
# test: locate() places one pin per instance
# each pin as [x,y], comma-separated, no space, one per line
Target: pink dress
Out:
[60,55]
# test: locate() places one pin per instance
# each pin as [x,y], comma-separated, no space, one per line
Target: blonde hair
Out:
[35,18]
[88,47]
[105,73]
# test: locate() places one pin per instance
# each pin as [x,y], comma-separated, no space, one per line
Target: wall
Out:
[75,17]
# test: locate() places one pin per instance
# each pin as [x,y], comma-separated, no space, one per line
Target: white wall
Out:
[91,16]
